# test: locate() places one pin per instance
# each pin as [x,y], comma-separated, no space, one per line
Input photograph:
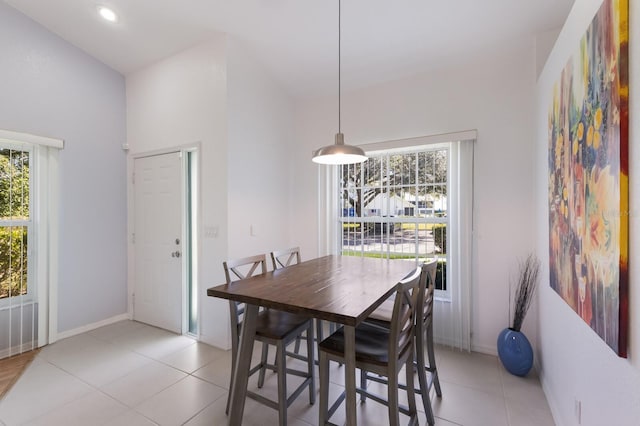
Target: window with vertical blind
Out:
[394,205]
[412,200]
[15,224]
[28,241]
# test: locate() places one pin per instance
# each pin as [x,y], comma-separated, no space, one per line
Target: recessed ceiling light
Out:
[107,14]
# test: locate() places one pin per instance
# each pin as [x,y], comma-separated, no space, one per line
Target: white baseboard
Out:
[212,341]
[488,350]
[446,340]
[92,326]
[15,350]
[551,400]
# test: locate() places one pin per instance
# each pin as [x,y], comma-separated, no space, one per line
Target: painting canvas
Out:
[589,175]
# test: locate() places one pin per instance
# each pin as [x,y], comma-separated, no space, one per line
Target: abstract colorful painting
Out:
[589,177]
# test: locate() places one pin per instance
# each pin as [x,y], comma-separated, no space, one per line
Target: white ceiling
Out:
[297,40]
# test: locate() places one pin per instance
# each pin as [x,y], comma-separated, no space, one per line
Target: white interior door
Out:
[158,241]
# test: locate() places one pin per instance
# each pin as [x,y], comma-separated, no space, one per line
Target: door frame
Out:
[190,271]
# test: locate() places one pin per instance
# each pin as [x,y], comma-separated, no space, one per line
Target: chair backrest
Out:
[244,268]
[404,312]
[239,269]
[426,293]
[284,258]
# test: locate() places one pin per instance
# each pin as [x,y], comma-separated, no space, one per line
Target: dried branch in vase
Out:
[525,289]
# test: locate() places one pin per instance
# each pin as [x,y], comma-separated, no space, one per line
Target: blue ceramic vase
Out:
[515,352]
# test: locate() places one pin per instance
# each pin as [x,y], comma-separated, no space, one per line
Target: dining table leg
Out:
[350,373]
[243,364]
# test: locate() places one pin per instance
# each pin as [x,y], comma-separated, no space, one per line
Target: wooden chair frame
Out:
[284,258]
[289,257]
[400,347]
[257,264]
[423,337]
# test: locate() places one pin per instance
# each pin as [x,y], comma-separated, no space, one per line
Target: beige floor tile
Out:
[143,383]
[522,413]
[524,389]
[42,388]
[171,379]
[130,418]
[301,408]
[68,346]
[119,364]
[111,332]
[193,357]
[92,360]
[255,414]
[218,371]
[213,414]
[469,406]
[270,388]
[181,401]
[94,408]
[475,370]
[151,341]
[442,422]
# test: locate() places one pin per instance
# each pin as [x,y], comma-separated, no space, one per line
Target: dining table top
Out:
[343,289]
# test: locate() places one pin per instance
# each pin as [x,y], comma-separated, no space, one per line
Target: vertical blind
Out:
[452,309]
[28,241]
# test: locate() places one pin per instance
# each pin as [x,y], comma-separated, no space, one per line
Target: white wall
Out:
[50,88]
[215,94]
[544,43]
[575,363]
[181,101]
[494,96]
[259,173]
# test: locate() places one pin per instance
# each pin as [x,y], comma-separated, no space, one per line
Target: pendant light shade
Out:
[339,153]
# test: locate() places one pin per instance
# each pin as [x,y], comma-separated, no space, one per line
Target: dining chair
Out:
[423,339]
[380,350]
[281,259]
[284,258]
[288,257]
[275,328]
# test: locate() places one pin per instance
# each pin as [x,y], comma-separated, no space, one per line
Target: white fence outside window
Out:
[395,206]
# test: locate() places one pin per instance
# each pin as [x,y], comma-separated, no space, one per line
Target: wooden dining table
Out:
[340,289]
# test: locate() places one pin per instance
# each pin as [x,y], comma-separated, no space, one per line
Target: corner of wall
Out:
[574,363]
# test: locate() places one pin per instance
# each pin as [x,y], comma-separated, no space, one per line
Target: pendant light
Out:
[339,153]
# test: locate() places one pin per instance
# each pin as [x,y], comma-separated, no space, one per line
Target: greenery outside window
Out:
[395,205]
[15,224]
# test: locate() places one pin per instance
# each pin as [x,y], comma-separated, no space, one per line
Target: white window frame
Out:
[29,297]
[396,218]
[452,317]
[44,215]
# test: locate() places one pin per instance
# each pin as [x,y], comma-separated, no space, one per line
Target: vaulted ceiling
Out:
[297,40]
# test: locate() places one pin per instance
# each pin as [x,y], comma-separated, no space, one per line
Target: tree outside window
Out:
[14,221]
[394,205]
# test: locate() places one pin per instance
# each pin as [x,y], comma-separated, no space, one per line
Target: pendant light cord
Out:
[339,56]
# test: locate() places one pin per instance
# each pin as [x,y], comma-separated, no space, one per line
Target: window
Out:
[395,206]
[15,224]
[28,241]
[413,199]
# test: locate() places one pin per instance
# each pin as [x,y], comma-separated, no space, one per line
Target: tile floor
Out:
[129,373]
